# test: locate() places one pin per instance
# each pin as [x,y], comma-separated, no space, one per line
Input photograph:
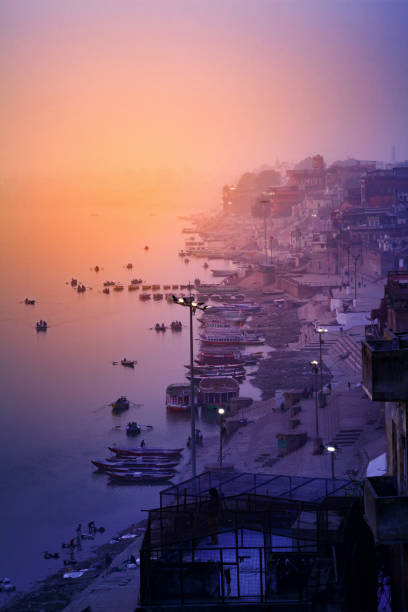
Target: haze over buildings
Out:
[174,92]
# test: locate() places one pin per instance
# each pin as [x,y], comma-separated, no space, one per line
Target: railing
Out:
[244,573]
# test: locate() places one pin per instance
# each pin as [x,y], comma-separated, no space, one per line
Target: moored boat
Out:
[106,290]
[140,477]
[29,302]
[161,452]
[133,428]
[81,288]
[41,325]
[137,464]
[144,296]
[178,397]
[118,287]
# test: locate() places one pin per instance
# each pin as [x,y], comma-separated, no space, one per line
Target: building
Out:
[378,187]
[278,541]
[385,379]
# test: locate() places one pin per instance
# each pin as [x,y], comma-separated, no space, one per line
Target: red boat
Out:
[147,452]
[128,465]
[139,477]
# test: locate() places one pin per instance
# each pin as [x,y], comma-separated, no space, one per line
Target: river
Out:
[56,386]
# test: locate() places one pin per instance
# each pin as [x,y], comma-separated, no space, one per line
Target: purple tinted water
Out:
[56,386]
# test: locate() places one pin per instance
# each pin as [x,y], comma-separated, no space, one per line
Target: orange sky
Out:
[191,88]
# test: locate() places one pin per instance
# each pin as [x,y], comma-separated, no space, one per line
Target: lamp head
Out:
[331,448]
[221,410]
[314,363]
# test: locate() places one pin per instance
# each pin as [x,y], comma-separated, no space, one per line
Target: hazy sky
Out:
[215,86]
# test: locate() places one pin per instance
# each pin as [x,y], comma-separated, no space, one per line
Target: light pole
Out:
[355,259]
[317,442]
[192,305]
[332,450]
[221,412]
[321,331]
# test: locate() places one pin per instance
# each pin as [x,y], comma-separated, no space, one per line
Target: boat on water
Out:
[176,326]
[133,428]
[128,363]
[121,404]
[106,290]
[152,450]
[178,397]
[81,288]
[136,468]
[144,296]
[146,248]
[140,477]
[225,273]
[218,392]
[146,287]
[133,287]
[96,268]
[41,325]
[205,265]
[118,287]
[136,464]
[108,284]
[29,302]
[155,287]
[166,287]
[136,281]
[157,296]
[129,266]
[216,338]
[74,282]
[160,328]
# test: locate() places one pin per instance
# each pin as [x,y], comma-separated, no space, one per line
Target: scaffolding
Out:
[273,539]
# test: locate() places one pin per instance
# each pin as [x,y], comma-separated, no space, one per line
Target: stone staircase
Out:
[347,349]
[313,345]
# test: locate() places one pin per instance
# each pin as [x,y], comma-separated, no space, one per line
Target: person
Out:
[341,331]
[108,561]
[213,511]
[349,385]
[189,442]
[227,574]
[91,528]
[142,444]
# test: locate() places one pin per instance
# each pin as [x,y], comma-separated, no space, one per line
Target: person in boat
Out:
[91,528]
[189,442]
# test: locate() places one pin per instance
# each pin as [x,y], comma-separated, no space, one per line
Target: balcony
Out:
[385,367]
[385,511]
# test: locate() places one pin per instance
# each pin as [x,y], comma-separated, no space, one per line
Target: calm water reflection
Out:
[55,385]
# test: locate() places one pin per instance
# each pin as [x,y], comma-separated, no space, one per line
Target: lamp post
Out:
[221,412]
[332,450]
[321,331]
[192,305]
[355,259]
[317,442]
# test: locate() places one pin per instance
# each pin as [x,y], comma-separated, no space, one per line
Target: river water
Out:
[56,386]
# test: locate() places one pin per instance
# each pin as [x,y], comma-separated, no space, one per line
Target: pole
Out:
[266,242]
[332,464]
[321,362]
[220,442]
[316,406]
[193,437]
[348,265]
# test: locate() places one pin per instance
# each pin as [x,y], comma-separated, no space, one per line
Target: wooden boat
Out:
[96,268]
[178,397]
[129,266]
[106,290]
[174,286]
[29,302]
[146,287]
[118,287]
[166,287]
[140,477]
[144,296]
[217,338]
[133,465]
[128,363]
[148,459]
[159,327]
[81,288]
[146,248]
[154,451]
[133,428]
[74,282]
[41,326]
[155,287]
[136,281]
[121,404]
[157,296]
[108,284]
[133,287]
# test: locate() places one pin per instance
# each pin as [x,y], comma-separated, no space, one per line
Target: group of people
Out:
[198,438]
[159,327]
[176,325]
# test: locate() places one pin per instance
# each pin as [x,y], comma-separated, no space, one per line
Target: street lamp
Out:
[317,442]
[332,449]
[221,412]
[321,331]
[191,303]
[355,259]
